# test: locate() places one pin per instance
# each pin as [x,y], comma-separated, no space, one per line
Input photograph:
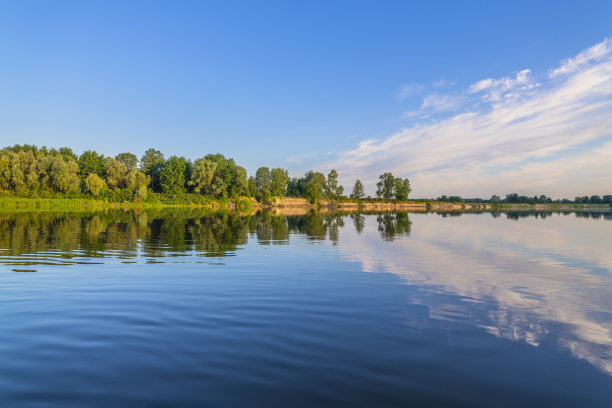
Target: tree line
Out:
[515,198]
[27,170]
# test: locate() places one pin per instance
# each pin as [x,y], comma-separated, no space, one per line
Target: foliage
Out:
[278,182]
[29,171]
[115,173]
[385,186]
[129,160]
[94,184]
[202,177]
[172,177]
[151,163]
[252,187]
[401,189]
[91,162]
[333,191]
[358,190]
[136,180]
[315,182]
[390,187]
[262,183]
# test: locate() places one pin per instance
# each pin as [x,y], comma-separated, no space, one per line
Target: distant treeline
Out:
[30,171]
[514,198]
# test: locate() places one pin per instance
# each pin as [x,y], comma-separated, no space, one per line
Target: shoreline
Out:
[286,206]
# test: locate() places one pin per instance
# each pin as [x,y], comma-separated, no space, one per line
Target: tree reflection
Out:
[154,234]
[359,222]
[392,226]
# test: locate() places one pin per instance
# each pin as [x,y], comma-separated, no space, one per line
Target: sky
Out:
[463,98]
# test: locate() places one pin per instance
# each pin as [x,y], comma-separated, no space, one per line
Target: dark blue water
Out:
[188,309]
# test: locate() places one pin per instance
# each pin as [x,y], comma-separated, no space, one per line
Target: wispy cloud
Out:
[588,56]
[410,90]
[441,83]
[300,158]
[551,135]
[497,89]
[442,103]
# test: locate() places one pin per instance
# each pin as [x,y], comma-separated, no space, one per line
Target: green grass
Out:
[81,204]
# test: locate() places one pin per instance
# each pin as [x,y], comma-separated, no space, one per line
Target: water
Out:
[191,309]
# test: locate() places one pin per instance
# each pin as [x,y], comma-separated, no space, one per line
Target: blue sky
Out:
[423,90]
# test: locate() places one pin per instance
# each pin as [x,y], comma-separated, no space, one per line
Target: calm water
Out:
[187,309]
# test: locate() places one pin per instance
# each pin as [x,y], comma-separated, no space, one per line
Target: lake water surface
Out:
[192,309]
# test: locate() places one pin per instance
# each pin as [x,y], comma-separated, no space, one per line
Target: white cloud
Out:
[505,87]
[300,158]
[442,103]
[410,90]
[442,83]
[595,53]
[520,135]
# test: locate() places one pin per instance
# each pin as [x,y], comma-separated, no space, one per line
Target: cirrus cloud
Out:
[516,133]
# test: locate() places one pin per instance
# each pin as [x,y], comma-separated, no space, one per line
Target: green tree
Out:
[68,154]
[262,181]
[333,191]
[278,182]
[315,182]
[386,186]
[115,173]
[203,173]
[296,187]
[5,171]
[358,190]
[252,187]
[152,163]
[129,160]
[172,177]
[495,199]
[94,184]
[91,162]
[240,183]
[59,175]
[401,189]
[136,180]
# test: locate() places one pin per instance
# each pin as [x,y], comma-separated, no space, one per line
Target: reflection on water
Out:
[526,281]
[47,238]
[540,279]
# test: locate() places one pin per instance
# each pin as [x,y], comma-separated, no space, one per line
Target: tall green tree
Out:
[152,163]
[333,190]
[5,171]
[203,173]
[115,173]
[137,182]
[358,190]
[91,162]
[172,177]
[386,186]
[296,187]
[59,175]
[252,187]
[129,160]
[94,184]
[240,184]
[68,154]
[278,182]
[262,181]
[229,179]
[315,182]
[401,188]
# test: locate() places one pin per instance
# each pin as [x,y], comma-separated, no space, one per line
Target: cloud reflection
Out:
[529,281]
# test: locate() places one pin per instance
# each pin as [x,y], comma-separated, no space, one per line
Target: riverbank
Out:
[284,205]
